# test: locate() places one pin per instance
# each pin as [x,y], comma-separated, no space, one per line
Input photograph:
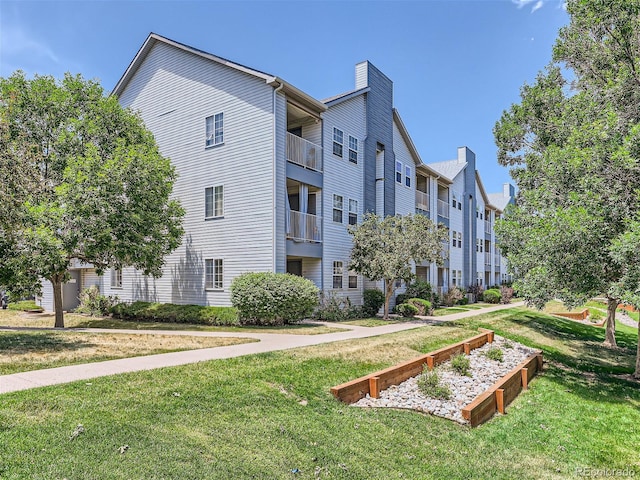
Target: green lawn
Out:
[270,415]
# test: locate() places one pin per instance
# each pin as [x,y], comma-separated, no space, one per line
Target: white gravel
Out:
[484,373]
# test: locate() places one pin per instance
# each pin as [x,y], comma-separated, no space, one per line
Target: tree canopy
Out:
[574,148]
[83,179]
[384,249]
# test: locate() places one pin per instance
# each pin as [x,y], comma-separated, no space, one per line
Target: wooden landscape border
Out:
[574,315]
[373,383]
[503,392]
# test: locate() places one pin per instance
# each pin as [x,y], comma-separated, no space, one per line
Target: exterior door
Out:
[71,292]
[294,267]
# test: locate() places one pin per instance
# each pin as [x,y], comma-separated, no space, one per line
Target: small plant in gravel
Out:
[507,344]
[494,353]
[460,363]
[429,385]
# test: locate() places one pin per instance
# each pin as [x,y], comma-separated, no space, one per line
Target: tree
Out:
[574,148]
[624,251]
[90,184]
[383,249]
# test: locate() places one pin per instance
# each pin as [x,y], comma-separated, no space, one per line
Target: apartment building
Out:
[271,178]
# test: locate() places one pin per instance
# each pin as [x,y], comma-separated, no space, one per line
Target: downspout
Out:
[275,179]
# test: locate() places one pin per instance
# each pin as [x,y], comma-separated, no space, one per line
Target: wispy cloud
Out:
[537,6]
[523,3]
[16,41]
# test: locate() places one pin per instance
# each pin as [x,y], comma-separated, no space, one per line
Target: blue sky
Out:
[456,65]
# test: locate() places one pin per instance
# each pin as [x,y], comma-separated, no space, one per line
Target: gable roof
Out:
[331,101]
[153,38]
[499,200]
[449,168]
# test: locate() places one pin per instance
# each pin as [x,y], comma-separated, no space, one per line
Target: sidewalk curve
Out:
[268,342]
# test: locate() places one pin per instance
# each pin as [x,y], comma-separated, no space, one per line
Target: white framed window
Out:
[454,238]
[353,212]
[353,279]
[407,175]
[213,273]
[353,149]
[338,139]
[454,199]
[338,270]
[399,172]
[479,281]
[116,278]
[454,277]
[214,202]
[459,239]
[214,129]
[338,206]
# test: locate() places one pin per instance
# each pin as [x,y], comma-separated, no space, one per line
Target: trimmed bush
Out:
[423,306]
[25,306]
[372,302]
[492,296]
[406,310]
[267,298]
[171,313]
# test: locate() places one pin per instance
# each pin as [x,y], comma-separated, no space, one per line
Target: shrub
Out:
[429,385]
[491,296]
[372,302]
[402,298]
[336,309]
[476,290]
[406,310]
[463,301]
[268,298]
[596,315]
[171,313]
[25,306]
[460,363]
[94,303]
[494,353]
[423,306]
[506,294]
[453,295]
[420,289]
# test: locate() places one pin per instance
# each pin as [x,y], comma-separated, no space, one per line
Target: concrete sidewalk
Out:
[267,342]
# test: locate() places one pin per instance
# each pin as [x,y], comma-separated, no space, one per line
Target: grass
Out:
[439,312]
[369,322]
[71,320]
[269,415]
[24,305]
[23,350]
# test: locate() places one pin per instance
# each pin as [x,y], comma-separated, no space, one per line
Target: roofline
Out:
[412,148]
[347,96]
[271,80]
[483,191]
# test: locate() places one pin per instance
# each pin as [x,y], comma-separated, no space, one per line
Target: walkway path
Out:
[268,342]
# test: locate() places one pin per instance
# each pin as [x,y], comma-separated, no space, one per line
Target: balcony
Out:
[422,201]
[304,153]
[487,258]
[443,208]
[488,228]
[304,227]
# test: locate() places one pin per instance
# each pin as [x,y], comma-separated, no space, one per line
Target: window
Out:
[353,212]
[214,202]
[337,208]
[399,172]
[337,141]
[214,129]
[479,279]
[353,149]
[454,239]
[337,274]
[407,176]
[454,277]
[459,239]
[353,279]
[454,199]
[116,278]
[213,274]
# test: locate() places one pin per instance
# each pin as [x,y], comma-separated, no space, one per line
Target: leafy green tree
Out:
[574,149]
[384,249]
[89,184]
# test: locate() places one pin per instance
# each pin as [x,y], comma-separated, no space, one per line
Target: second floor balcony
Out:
[488,227]
[304,153]
[422,201]
[443,208]
[487,258]
[304,227]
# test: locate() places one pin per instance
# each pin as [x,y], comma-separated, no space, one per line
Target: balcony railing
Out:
[487,226]
[487,258]
[443,208]
[422,201]
[304,153]
[304,227]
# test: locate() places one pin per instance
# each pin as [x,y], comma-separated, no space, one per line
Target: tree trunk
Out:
[610,335]
[387,298]
[636,374]
[56,281]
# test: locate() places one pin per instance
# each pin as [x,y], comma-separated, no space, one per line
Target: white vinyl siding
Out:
[405,195]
